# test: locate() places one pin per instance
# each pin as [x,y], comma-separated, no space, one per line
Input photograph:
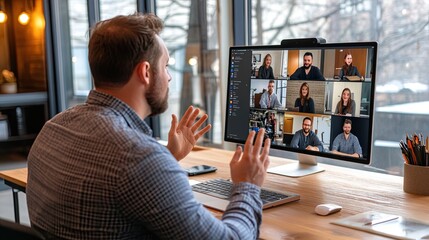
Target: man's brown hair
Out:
[119,44]
[347,121]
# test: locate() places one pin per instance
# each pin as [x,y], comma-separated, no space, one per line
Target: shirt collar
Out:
[119,107]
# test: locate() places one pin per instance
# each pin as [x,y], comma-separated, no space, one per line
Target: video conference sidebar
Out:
[238,94]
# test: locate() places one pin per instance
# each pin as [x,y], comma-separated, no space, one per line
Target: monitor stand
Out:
[307,165]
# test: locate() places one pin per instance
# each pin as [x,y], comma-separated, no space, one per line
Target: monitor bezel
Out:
[372,44]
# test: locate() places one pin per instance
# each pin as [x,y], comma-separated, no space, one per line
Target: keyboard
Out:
[221,189]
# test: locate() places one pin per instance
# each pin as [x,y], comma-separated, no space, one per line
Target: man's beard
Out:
[307,67]
[158,104]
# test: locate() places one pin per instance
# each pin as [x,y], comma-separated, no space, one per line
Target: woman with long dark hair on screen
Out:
[266,71]
[348,69]
[346,106]
[305,103]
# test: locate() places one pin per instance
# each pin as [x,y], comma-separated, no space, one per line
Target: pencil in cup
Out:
[414,151]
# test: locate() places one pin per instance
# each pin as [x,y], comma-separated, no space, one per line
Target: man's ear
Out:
[144,72]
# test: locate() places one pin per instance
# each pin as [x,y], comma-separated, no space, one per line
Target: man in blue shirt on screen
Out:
[269,98]
[96,172]
[346,143]
[306,138]
[308,71]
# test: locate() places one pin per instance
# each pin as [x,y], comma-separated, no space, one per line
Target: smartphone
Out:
[200,169]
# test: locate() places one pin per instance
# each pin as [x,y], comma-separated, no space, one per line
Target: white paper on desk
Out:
[193,182]
[398,227]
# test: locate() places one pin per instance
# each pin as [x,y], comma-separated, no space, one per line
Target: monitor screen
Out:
[312,99]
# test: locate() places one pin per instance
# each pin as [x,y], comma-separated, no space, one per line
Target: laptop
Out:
[215,194]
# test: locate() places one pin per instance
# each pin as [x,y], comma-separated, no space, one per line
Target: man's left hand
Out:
[184,134]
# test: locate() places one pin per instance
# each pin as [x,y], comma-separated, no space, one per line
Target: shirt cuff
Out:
[246,187]
[246,192]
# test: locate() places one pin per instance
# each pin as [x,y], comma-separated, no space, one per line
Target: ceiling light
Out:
[3,16]
[24,18]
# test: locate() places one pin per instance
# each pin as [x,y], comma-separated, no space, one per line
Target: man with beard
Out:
[308,71]
[96,172]
[306,138]
[346,143]
[269,98]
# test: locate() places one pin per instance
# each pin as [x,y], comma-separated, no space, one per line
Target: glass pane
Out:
[194,64]
[78,13]
[400,28]
[111,8]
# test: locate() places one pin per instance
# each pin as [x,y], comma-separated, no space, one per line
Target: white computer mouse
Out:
[327,208]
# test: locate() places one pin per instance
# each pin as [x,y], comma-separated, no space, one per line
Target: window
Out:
[79,36]
[112,8]
[78,13]
[400,28]
[191,37]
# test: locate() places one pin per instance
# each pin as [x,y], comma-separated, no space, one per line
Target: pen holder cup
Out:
[416,179]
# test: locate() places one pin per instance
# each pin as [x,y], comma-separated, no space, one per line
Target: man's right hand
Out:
[251,164]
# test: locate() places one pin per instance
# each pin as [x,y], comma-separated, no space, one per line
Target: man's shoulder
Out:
[336,139]
[298,133]
[299,70]
[315,68]
[339,136]
[353,136]
[68,111]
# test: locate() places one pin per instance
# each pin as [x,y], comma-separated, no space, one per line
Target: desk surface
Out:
[16,176]
[356,191]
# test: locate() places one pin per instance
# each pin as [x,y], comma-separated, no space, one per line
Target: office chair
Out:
[11,230]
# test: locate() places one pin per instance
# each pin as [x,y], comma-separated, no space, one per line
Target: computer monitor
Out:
[327,106]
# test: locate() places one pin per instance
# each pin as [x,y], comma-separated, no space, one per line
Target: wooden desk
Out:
[17,180]
[355,190]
